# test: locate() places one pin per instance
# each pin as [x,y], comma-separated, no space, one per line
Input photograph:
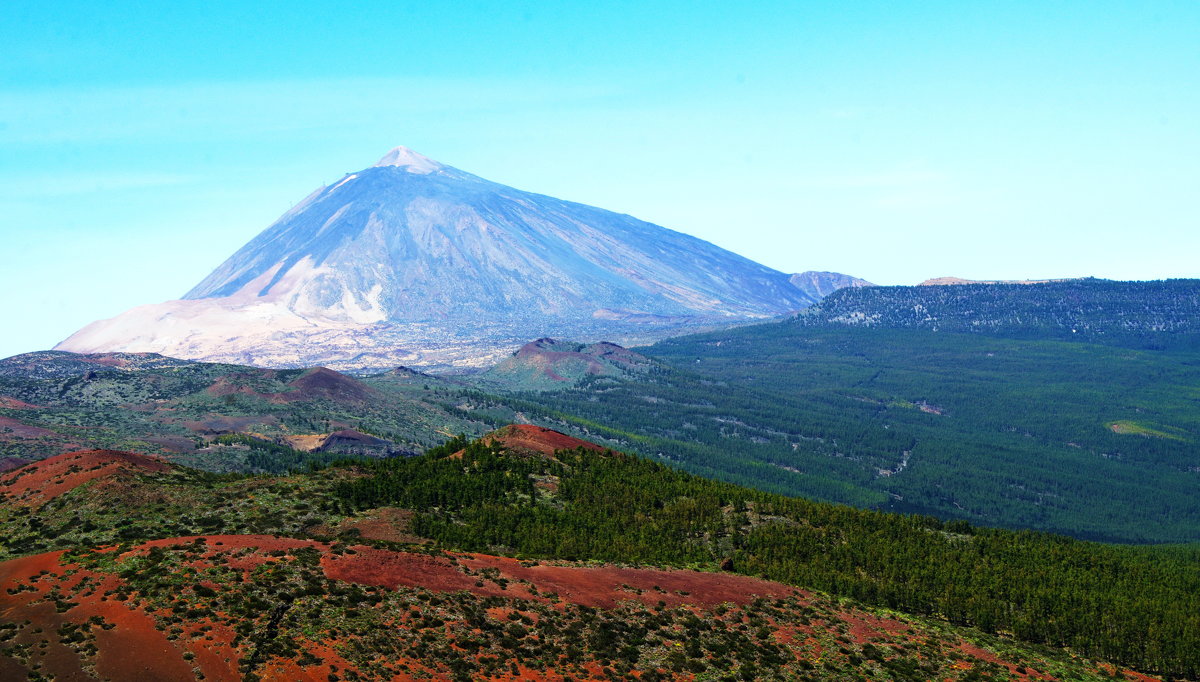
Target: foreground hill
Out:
[1102,600]
[291,578]
[61,474]
[549,364]
[414,262]
[263,607]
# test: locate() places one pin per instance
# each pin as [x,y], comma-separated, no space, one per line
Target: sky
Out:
[142,143]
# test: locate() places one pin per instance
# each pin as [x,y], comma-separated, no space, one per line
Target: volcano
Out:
[418,263]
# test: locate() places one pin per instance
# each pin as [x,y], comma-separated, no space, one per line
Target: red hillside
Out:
[45,480]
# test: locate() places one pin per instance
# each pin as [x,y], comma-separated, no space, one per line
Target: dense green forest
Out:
[1083,439]
[1086,440]
[1136,605]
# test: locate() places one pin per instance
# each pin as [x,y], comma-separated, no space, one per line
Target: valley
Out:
[1089,439]
[899,498]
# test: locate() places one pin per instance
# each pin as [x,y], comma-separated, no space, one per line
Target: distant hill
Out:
[941,281]
[821,284]
[415,262]
[528,439]
[46,480]
[549,364]
[61,364]
[1151,315]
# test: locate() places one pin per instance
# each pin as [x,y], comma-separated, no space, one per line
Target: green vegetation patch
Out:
[1133,428]
[183,502]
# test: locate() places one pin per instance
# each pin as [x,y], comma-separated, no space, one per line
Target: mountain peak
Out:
[425,264]
[403,157]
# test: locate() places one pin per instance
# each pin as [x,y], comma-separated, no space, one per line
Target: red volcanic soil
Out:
[390,524]
[128,644]
[985,655]
[528,439]
[45,598]
[17,429]
[326,383]
[597,586]
[14,404]
[131,648]
[605,586]
[43,481]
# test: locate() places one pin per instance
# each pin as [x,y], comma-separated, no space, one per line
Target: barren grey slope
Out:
[414,262]
[430,242]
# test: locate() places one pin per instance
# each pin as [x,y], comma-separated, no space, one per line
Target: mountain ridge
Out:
[1153,314]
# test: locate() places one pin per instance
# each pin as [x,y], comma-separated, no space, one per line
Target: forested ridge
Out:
[1151,315]
[1136,605]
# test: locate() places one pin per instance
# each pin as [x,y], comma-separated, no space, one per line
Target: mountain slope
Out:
[414,262]
[352,610]
[61,474]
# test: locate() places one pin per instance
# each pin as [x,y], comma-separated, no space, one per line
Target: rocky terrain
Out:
[821,284]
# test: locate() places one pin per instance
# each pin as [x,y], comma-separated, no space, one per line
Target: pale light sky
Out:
[143,143]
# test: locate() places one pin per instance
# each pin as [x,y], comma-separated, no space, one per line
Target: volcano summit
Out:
[415,262]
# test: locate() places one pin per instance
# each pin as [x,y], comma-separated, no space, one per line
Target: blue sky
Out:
[142,143]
